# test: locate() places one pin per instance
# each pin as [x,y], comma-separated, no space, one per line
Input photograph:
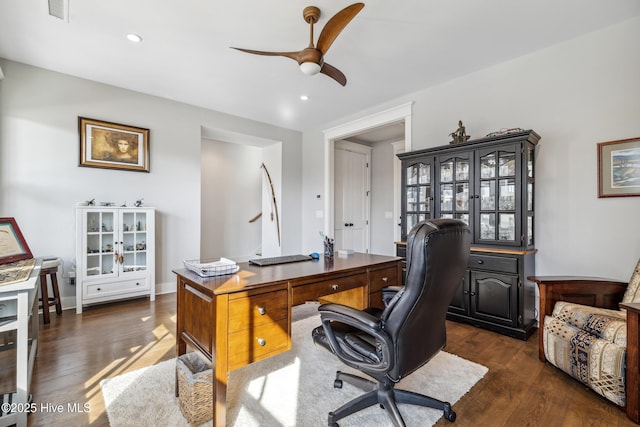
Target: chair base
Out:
[386,396]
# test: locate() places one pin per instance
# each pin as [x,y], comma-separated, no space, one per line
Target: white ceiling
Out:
[390,49]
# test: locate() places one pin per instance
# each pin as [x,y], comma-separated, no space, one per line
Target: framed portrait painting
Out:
[113,146]
[619,168]
[13,247]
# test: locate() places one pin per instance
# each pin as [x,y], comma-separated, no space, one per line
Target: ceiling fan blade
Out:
[335,26]
[334,73]
[293,55]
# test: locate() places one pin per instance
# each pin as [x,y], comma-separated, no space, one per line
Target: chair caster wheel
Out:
[337,383]
[449,414]
[330,422]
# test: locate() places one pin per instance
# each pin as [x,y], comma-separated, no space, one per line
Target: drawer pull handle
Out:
[334,287]
[262,341]
[99,289]
[385,279]
[262,310]
[480,261]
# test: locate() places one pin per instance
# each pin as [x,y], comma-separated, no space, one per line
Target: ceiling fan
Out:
[311,58]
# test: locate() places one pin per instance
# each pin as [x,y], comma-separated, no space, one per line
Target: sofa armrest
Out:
[592,291]
[632,386]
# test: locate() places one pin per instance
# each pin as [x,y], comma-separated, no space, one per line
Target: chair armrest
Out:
[362,321]
[592,291]
[388,293]
[350,316]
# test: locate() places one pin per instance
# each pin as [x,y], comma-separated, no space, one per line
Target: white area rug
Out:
[291,389]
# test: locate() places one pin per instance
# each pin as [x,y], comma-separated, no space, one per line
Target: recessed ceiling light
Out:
[304,97]
[134,38]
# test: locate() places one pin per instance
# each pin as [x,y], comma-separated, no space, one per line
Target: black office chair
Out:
[391,344]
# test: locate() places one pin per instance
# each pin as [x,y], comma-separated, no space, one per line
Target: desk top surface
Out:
[25,285]
[251,276]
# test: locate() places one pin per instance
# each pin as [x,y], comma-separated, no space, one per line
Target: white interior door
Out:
[351,198]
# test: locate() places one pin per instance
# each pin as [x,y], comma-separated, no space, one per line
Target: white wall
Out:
[574,94]
[40,181]
[271,201]
[231,196]
[382,187]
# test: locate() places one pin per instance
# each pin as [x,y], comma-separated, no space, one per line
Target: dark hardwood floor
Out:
[78,351]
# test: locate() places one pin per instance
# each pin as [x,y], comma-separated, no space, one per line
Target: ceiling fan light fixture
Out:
[310,68]
[135,38]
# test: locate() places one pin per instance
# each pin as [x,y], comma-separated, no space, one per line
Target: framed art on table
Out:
[113,146]
[13,247]
[619,168]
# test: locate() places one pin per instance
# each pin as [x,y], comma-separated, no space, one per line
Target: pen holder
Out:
[328,250]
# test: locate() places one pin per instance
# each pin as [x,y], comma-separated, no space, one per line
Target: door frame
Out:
[396,114]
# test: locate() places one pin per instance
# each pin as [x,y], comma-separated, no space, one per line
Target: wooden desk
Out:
[239,319]
[25,297]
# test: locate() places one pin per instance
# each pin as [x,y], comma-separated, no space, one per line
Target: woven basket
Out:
[195,388]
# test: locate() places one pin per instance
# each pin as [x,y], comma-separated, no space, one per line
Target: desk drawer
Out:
[257,343]
[313,291]
[102,289]
[257,310]
[382,278]
[493,263]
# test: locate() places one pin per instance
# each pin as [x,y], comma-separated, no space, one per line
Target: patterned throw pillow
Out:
[632,294]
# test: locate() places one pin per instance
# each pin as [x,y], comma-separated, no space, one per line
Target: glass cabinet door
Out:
[101,242]
[453,195]
[529,194]
[498,195]
[133,256]
[418,194]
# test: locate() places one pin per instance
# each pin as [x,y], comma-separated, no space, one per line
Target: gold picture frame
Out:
[113,146]
[619,168]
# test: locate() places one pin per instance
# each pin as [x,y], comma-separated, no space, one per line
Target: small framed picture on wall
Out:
[619,168]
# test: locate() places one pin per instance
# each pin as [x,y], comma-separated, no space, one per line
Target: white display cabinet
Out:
[115,254]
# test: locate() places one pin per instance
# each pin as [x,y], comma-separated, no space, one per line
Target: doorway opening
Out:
[396,119]
[238,217]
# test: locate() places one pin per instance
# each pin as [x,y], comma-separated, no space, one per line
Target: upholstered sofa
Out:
[584,329]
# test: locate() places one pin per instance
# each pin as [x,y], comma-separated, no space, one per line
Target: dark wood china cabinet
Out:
[489,184]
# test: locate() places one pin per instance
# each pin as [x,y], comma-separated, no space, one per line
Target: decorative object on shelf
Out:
[504,131]
[113,146]
[460,134]
[138,203]
[619,168]
[13,247]
[91,202]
